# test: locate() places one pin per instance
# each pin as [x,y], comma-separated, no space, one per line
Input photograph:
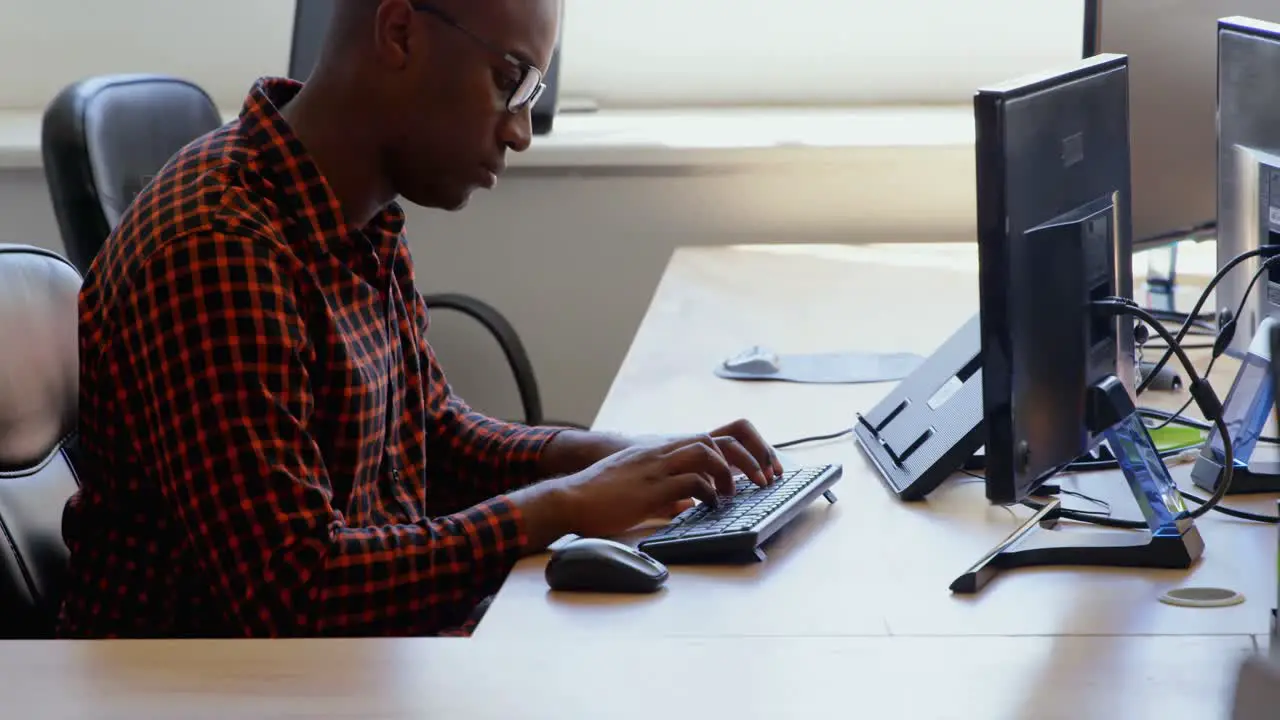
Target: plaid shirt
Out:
[270,447]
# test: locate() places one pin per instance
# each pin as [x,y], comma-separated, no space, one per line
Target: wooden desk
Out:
[1030,678]
[850,617]
[869,565]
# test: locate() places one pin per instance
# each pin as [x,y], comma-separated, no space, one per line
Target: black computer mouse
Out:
[599,565]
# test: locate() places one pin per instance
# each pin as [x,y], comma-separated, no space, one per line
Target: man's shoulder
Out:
[209,192]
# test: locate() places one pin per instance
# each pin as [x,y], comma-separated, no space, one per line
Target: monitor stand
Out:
[1171,541]
[1248,406]
[930,424]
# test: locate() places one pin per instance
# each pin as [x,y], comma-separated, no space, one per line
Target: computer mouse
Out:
[599,565]
[753,361]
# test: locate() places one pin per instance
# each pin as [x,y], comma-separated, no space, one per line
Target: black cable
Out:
[1112,463]
[813,439]
[1090,517]
[1178,413]
[1180,419]
[1269,250]
[1206,399]
[1177,316]
[1225,335]
[1185,346]
[1177,235]
[1089,465]
[1242,514]
[1202,394]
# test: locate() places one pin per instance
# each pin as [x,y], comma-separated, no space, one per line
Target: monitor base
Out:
[1117,548]
[1171,540]
[1249,404]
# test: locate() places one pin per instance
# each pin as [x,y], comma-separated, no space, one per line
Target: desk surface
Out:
[741,678]
[868,565]
[850,617]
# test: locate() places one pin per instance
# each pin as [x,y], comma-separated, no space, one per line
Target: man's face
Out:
[449,118]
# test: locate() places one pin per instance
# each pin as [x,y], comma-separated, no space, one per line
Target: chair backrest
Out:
[1257,690]
[39,382]
[104,138]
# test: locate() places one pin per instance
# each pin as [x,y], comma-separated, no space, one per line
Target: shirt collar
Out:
[287,166]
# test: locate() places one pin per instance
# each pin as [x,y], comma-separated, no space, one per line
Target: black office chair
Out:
[105,137]
[39,381]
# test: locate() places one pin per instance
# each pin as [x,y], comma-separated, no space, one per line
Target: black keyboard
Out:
[734,529]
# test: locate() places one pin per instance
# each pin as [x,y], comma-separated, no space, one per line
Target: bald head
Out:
[355,25]
[446,84]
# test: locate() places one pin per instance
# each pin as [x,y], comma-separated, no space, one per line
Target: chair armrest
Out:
[508,340]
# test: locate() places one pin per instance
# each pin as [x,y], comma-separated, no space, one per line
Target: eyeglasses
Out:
[523,91]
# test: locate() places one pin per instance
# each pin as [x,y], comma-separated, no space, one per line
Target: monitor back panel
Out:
[1248,131]
[1172,49]
[1053,189]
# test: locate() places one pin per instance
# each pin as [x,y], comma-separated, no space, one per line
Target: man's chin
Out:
[447,201]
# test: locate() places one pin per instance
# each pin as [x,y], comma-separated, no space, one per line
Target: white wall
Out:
[572,255]
[573,259]
[619,52]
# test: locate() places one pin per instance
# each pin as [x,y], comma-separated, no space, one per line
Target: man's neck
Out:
[342,146]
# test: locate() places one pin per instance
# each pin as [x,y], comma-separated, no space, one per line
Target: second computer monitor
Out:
[1054,235]
[1248,165]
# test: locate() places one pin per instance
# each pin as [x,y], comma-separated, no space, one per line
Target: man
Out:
[270,447]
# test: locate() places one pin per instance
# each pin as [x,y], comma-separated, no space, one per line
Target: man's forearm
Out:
[546,512]
[574,450]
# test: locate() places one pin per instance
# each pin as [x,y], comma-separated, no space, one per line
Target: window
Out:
[809,52]
[222,45]
[620,53]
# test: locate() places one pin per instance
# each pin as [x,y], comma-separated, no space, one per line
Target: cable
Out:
[1185,346]
[1176,316]
[1225,335]
[1173,340]
[1104,514]
[1112,463]
[1205,398]
[813,439]
[1242,514]
[1180,419]
[1177,235]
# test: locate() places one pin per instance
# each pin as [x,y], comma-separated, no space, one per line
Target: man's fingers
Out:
[683,441]
[702,459]
[751,439]
[676,508]
[691,485]
[738,457]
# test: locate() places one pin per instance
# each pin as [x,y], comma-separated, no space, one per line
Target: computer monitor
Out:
[1172,96]
[1053,220]
[1248,165]
[1045,372]
[311,22]
[1054,232]
[1249,220]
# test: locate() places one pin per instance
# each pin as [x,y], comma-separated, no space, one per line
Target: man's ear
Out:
[396,36]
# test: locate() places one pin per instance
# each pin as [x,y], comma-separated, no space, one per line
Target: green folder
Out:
[1177,437]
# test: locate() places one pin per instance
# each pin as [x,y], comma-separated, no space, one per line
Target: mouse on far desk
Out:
[600,565]
[756,360]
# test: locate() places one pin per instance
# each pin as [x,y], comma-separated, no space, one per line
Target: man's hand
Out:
[644,481]
[744,448]
[738,442]
[608,484]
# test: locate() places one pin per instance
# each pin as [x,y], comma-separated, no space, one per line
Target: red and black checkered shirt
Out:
[269,445]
